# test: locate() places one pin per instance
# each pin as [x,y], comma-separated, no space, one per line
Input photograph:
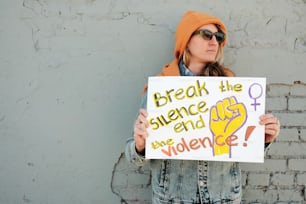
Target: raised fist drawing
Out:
[226,117]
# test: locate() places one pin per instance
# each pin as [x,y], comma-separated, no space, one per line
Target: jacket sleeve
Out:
[130,148]
[267,146]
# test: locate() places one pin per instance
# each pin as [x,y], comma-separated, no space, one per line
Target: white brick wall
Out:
[71,76]
[286,158]
[281,178]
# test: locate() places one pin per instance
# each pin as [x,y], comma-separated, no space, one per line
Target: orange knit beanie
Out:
[190,22]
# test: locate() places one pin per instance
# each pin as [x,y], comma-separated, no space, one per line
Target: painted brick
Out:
[302,134]
[301,179]
[253,195]
[119,179]
[297,119]
[244,177]
[287,135]
[290,194]
[137,202]
[276,103]
[278,90]
[136,193]
[298,90]
[258,179]
[279,165]
[138,179]
[297,164]
[144,194]
[273,195]
[287,149]
[259,195]
[297,104]
[124,166]
[281,179]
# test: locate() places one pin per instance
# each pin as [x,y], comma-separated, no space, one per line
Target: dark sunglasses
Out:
[208,35]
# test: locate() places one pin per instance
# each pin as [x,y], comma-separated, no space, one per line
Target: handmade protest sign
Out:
[206,118]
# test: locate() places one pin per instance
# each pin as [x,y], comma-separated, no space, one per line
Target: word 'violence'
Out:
[193,144]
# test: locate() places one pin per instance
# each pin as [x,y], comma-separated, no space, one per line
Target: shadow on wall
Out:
[131,183]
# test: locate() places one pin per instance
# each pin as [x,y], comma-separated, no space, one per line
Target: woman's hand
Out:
[272,126]
[140,130]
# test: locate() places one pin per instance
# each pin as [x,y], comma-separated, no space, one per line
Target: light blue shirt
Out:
[184,70]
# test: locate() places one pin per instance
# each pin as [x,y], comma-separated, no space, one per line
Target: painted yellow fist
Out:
[226,117]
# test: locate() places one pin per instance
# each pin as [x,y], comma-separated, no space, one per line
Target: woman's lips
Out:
[212,51]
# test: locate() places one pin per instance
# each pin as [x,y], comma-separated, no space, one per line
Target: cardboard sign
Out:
[206,118]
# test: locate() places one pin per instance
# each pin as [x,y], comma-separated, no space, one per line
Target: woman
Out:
[200,39]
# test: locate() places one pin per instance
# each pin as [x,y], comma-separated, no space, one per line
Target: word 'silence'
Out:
[180,113]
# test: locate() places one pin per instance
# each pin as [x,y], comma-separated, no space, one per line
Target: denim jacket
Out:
[189,181]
